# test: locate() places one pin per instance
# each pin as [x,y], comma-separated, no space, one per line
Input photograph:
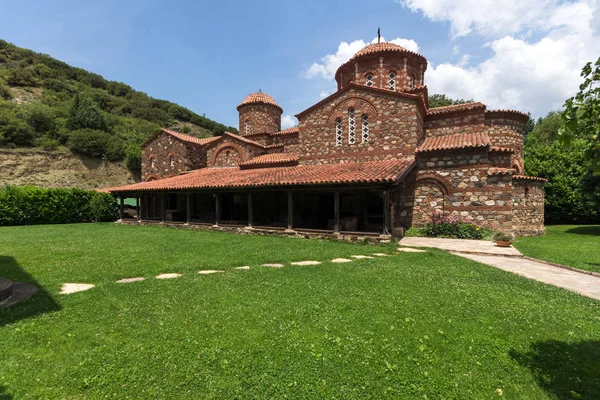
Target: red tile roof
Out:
[501,171]
[381,47]
[456,141]
[275,159]
[243,139]
[373,172]
[456,107]
[288,131]
[184,138]
[259,98]
[530,178]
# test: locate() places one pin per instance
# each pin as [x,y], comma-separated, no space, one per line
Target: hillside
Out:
[48,104]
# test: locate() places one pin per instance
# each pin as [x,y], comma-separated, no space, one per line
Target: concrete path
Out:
[587,285]
[461,245]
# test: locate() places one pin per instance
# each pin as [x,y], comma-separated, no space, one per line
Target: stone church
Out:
[368,161]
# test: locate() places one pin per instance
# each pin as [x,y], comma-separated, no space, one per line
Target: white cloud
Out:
[331,62]
[324,93]
[493,18]
[288,121]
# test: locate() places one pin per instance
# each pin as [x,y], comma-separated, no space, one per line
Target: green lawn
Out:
[576,246]
[412,325]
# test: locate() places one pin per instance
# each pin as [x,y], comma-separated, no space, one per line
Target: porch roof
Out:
[373,172]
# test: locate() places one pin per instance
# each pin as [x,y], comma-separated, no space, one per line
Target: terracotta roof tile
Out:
[373,172]
[456,107]
[530,178]
[184,138]
[501,171]
[275,159]
[380,47]
[289,131]
[456,141]
[259,98]
[514,114]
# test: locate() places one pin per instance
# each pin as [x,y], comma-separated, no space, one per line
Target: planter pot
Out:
[501,243]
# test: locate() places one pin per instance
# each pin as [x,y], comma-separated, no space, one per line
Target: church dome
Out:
[259,98]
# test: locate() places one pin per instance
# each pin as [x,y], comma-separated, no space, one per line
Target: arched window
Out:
[247,127]
[351,126]
[227,157]
[392,81]
[172,161]
[411,81]
[338,132]
[365,128]
[151,162]
[369,80]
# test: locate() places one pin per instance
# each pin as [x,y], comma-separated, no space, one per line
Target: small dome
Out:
[259,98]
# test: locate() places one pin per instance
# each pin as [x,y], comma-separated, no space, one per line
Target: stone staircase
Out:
[14,292]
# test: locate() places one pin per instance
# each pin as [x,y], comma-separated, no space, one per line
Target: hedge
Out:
[31,205]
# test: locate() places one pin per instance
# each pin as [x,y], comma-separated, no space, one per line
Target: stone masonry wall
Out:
[261,117]
[185,156]
[451,124]
[505,132]
[394,129]
[528,207]
[238,151]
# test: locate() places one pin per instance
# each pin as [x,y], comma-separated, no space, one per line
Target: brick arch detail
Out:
[516,164]
[438,180]
[352,102]
[223,146]
[151,177]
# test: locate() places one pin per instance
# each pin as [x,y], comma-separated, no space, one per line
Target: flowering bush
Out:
[452,227]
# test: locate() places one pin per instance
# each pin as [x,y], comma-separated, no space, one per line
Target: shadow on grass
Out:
[4,395]
[564,370]
[591,230]
[41,302]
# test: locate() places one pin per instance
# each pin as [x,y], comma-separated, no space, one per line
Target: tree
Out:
[85,114]
[441,100]
[546,130]
[581,116]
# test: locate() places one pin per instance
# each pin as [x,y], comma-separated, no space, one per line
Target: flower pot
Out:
[501,243]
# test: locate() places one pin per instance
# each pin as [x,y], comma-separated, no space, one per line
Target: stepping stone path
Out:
[341,260]
[244,267]
[69,288]
[168,276]
[380,254]
[360,257]
[306,263]
[410,250]
[209,271]
[272,265]
[129,280]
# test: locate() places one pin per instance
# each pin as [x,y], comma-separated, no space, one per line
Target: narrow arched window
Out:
[369,80]
[392,81]
[365,128]
[411,81]
[338,132]
[152,162]
[227,157]
[172,161]
[351,126]
[247,127]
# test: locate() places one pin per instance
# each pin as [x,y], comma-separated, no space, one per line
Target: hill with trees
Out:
[47,103]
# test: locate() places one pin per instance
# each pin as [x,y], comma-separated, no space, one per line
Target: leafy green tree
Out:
[546,129]
[441,100]
[5,91]
[40,117]
[581,116]
[14,130]
[91,142]
[85,114]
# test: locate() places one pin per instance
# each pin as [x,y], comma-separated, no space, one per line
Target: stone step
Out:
[6,289]
[14,292]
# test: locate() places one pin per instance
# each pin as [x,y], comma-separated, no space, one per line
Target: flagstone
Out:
[361,256]
[380,254]
[341,260]
[306,263]
[168,276]
[69,288]
[209,271]
[244,267]
[410,250]
[129,280]
[272,265]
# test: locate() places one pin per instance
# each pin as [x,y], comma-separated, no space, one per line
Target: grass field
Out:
[411,325]
[577,246]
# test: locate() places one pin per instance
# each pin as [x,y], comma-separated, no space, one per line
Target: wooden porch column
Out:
[138,208]
[290,222]
[162,207]
[250,210]
[386,217]
[121,205]
[188,208]
[336,212]
[217,208]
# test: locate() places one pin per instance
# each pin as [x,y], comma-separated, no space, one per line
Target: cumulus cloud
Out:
[288,121]
[331,62]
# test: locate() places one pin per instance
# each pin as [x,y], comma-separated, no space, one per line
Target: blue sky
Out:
[208,56]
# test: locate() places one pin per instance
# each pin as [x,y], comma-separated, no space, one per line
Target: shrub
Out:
[91,142]
[5,92]
[30,205]
[503,237]
[452,227]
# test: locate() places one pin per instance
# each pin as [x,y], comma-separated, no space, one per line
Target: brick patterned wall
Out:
[262,118]
[528,209]
[186,157]
[504,132]
[450,124]
[394,129]
[216,154]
